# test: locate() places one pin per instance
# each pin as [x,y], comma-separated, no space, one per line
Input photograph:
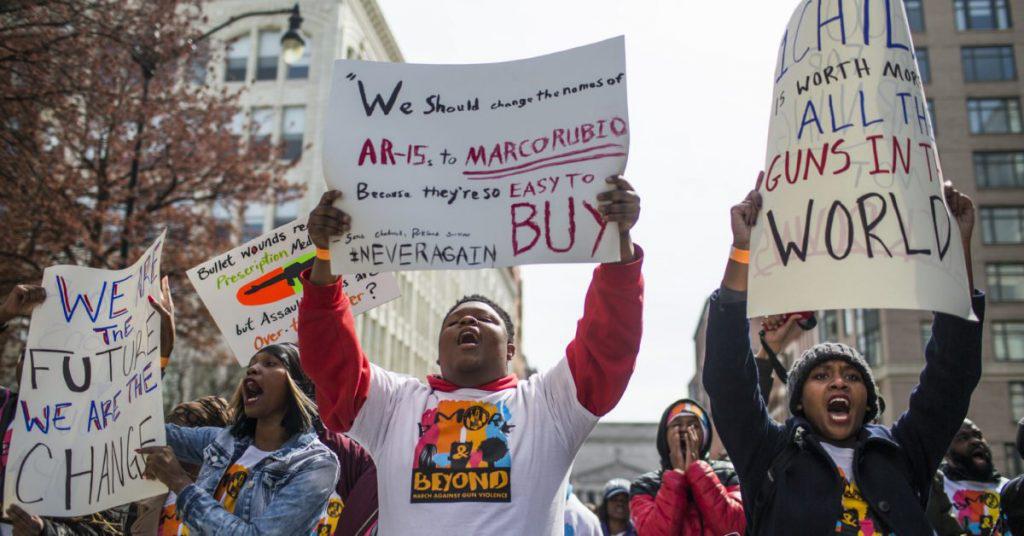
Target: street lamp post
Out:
[292,48]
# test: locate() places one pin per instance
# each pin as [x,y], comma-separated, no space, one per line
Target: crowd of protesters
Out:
[318,440]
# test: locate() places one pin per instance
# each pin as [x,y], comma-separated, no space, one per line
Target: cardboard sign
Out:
[253,291]
[477,166]
[90,392]
[854,214]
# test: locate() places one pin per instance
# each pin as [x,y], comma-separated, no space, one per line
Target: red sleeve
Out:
[602,356]
[661,515]
[721,507]
[330,353]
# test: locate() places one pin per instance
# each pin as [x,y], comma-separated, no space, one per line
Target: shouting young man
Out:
[965,495]
[828,469]
[474,450]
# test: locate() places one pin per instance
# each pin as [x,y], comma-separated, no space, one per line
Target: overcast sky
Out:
[700,85]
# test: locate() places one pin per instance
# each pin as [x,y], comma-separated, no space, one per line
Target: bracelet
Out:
[741,256]
[323,254]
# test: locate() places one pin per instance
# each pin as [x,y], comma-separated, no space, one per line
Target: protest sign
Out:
[476,166]
[253,291]
[854,214]
[90,392]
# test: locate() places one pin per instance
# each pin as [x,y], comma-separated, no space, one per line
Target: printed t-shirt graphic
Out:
[976,506]
[170,523]
[328,522]
[855,518]
[227,491]
[463,453]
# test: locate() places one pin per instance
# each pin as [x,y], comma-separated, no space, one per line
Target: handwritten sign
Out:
[854,214]
[253,291]
[477,166]
[90,392]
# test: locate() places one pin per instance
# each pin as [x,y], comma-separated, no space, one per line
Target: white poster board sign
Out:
[854,215]
[477,166]
[90,392]
[253,291]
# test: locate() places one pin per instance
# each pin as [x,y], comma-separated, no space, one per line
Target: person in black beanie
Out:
[827,469]
[1012,497]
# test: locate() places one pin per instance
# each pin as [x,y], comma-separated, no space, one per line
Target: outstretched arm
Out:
[603,353]
[952,370]
[730,374]
[328,345]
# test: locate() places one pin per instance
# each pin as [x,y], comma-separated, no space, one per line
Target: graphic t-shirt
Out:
[226,493]
[170,523]
[976,506]
[328,522]
[856,518]
[234,478]
[505,451]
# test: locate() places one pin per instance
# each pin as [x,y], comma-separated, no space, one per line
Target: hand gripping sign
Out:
[90,392]
[854,214]
[476,166]
[253,291]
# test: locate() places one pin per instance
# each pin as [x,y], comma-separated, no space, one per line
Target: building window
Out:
[223,221]
[994,116]
[262,129]
[926,334]
[924,65]
[237,59]
[981,14]
[869,335]
[1002,225]
[270,49]
[988,64]
[915,14]
[1005,281]
[829,326]
[1017,400]
[1003,169]
[1008,339]
[252,221]
[286,212]
[299,70]
[293,125]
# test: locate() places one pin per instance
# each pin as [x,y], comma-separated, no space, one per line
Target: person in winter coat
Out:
[690,494]
[965,496]
[827,469]
[474,450]
[1012,497]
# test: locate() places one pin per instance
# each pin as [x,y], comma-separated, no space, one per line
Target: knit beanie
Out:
[828,351]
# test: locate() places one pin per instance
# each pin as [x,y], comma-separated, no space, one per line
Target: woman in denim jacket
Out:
[267,473]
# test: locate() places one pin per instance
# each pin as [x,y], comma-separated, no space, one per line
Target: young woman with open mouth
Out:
[266,473]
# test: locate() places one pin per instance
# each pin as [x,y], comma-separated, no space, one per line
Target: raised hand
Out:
[743,217]
[962,208]
[622,206]
[20,301]
[780,331]
[327,221]
[165,308]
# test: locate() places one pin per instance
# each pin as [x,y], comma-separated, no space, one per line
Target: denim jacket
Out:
[284,494]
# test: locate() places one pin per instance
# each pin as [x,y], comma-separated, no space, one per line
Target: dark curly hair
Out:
[510,327]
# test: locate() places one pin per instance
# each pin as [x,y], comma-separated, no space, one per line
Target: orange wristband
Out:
[323,254]
[741,256]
